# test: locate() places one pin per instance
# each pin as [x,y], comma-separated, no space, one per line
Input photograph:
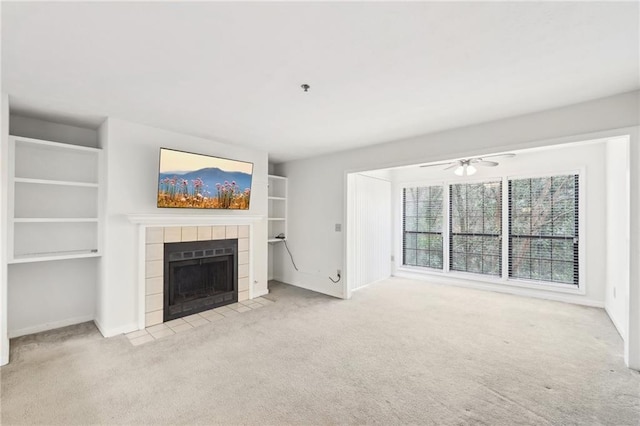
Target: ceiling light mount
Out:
[305,87]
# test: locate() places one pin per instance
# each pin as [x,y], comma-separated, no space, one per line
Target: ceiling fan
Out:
[467,166]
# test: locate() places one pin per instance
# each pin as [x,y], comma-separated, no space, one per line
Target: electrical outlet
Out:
[339,272]
[338,227]
[393,258]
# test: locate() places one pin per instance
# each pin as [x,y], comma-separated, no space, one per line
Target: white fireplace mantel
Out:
[192,219]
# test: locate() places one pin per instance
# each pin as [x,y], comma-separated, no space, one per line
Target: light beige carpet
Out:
[399,352]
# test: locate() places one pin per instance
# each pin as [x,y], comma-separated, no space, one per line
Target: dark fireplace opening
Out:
[198,276]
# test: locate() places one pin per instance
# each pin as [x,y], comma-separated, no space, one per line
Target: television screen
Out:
[198,181]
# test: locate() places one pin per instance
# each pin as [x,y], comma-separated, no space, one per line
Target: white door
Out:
[370,231]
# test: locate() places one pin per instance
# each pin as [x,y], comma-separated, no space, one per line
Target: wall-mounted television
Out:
[197,181]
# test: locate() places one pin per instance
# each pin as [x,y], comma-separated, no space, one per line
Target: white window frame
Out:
[399,252]
[448,219]
[504,278]
[561,287]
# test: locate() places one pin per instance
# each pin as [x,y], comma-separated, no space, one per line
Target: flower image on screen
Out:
[198,181]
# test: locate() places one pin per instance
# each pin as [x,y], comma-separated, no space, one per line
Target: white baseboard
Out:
[110,332]
[368,284]
[317,289]
[4,355]
[261,292]
[49,326]
[621,331]
[518,291]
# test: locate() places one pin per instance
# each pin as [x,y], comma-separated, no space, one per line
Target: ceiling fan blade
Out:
[452,165]
[485,163]
[507,155]
[438,164]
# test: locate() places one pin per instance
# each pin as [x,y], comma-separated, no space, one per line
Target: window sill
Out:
[488,279]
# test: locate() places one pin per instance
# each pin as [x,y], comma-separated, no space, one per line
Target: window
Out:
[475,220]
[540,237]
[422,226]
[543,229]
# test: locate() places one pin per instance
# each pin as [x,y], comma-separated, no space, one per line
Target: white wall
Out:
[270,273]
[132,157]
[314,207]
[102,290]
[41,129]
[47,295]
[317,185]
[4,166]
[617,245]
[588,159]
[632,344]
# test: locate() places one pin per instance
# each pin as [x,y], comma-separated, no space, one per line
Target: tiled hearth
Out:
[154,265]
[169,328]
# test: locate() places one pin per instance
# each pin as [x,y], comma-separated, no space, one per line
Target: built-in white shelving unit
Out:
[277,218]
[54,197]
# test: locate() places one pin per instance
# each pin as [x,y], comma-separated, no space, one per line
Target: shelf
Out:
[277,189]
[55,145]
[55,182]
[62,255]
[49,162]
[55,219]
[55,200]
[277,192]
[276,177]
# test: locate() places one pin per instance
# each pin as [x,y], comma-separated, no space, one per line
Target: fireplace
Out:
[199,275]
[151,287]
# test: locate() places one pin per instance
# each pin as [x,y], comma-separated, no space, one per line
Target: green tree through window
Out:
[422,227]
[476,225]
[543,237]
[543,228]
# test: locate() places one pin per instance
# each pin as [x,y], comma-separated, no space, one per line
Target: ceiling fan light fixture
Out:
[465,170]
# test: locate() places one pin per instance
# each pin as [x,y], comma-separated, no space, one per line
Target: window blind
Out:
[422,226]
[475,220]
[543,229]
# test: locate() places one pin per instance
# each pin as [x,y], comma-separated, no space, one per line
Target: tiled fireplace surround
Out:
[156,236]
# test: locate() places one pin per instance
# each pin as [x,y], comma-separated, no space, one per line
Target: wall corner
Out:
[4,144]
